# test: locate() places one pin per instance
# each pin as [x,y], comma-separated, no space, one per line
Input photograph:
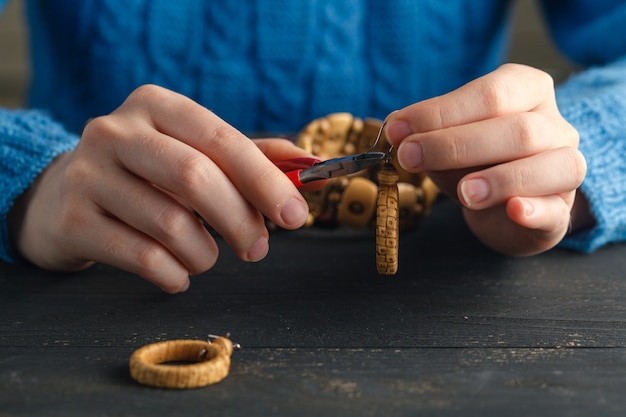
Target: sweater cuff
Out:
[594,102]
[29,141]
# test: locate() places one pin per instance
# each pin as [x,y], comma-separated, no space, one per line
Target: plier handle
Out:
[303,170]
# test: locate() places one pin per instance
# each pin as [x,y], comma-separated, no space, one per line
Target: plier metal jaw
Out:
[304,170]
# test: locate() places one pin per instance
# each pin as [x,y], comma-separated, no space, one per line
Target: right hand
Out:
[128,194]
[500,147]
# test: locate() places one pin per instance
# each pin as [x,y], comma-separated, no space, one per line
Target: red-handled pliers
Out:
[303,170]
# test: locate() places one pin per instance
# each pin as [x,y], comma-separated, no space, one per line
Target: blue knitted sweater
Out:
[273,65]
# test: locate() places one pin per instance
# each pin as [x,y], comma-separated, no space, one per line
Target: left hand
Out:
[128,194]
[500,147]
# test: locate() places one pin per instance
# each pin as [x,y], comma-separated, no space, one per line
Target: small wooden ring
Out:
[148,364]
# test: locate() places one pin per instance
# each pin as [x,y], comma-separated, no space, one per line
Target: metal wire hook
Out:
[387,157]
[388,154]
[380,132]
[210,337]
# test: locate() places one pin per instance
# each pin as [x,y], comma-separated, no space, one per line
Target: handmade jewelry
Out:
[387,220]
[361,199]
[206,362]
[351,201]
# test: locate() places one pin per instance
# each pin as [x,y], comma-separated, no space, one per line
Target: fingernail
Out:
[474,191]
[529,208]
[294,212]
[185,286]
[410,155]
[258,250]
[398,130]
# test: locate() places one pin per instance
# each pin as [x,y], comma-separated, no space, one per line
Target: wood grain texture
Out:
[458,331]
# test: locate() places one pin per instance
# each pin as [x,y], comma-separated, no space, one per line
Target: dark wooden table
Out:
[459,331]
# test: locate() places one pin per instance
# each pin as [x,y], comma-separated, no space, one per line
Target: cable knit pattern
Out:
[270,66]
[283,71]
[226,78]
[273,65]
[340,77]
[594,102]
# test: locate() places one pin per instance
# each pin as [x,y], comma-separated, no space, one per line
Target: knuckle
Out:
[572,134]
[457,151]
[191,173]
[529,130]
[571,165]
[244,233]
[249,226]
[579,165]
[512,67]
[494,93]
[544,79]
[98,129]
[437,117]
[173,221]
[72,221]
[76,175]
[524,177]
[513,70]
[149,259]
[147,92]
[222,136]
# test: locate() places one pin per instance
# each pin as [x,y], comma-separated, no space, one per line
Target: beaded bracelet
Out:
[352,200]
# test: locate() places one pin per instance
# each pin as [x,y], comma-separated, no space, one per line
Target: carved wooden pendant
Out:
[387,220]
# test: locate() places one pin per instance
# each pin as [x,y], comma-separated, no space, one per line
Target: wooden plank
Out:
[441,297]
[458,330]
[312,382]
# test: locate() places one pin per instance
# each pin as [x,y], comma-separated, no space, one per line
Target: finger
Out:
[487,142]
[510,89]
[280,149]
[551,172]
[549,214]
[123,247]
[262,183]
[147,209]
[494,228]
[187,173]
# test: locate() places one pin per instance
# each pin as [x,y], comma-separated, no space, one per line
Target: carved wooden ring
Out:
[210,363]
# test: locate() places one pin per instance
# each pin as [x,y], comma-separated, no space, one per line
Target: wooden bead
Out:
[408,205]
[211,363]
[326,136]
[337,134]
[430,192]
[354,136]
[358,203]
[387,220]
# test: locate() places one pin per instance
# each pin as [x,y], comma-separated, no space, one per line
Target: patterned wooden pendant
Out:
[387,220]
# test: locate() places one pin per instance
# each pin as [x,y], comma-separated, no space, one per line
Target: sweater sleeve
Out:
[594,102]
[29,141]
[591,33]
